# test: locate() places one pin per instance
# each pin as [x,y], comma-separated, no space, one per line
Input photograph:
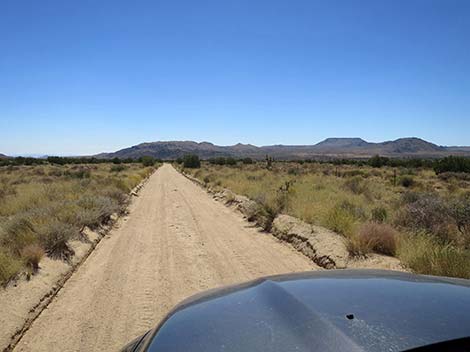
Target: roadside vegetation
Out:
[416,210]
[45,205]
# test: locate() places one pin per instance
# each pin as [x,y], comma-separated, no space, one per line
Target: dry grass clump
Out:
[46,206]
[340,220]
[9,266]
[17,233]
[423,254]
[374,237]
[32,255]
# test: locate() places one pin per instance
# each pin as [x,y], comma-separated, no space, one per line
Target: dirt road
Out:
[175,242]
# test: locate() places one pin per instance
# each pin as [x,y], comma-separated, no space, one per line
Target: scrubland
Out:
[421,217]
[43,207]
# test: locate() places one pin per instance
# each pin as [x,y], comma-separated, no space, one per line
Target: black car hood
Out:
[321,311]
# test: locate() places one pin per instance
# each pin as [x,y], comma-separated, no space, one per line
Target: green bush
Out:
[80,173]
[218,161]
[452,164]
[378,161]
[191,161]
[147,161]
[407,181]
[223,161]
[230,161]
[118,168]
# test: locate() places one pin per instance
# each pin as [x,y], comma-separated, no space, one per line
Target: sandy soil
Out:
[177,241]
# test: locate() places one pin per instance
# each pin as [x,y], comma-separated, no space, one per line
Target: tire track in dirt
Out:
[176,242]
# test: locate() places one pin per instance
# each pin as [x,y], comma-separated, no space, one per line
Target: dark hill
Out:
[330,147]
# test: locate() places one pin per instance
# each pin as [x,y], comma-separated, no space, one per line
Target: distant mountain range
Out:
[329,148]
[3,156]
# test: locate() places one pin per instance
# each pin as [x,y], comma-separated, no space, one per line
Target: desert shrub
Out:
[378,161]
[147,161]
[452,164]
[116,194]
[96,210]
[230,161]
[118,168]
[272,206]
[191,161]
[460,212]
[35,214]
[55,172]
[80,173]
[9,267]
[55,236]
[356,185]
[265,216]
[320,197]
[293,171]
[218,161]
[379,214]
[406,181]
[447,176]
[32,255]
[428,212]
[424,255]
[38,171]
[247,161]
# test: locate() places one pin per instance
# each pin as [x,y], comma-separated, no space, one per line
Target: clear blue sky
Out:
[85,76]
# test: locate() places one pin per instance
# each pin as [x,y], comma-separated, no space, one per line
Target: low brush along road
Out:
[176,241]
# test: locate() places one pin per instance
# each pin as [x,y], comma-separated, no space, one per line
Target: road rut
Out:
[175,242]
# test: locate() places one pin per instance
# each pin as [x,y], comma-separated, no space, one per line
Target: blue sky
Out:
[81,77]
